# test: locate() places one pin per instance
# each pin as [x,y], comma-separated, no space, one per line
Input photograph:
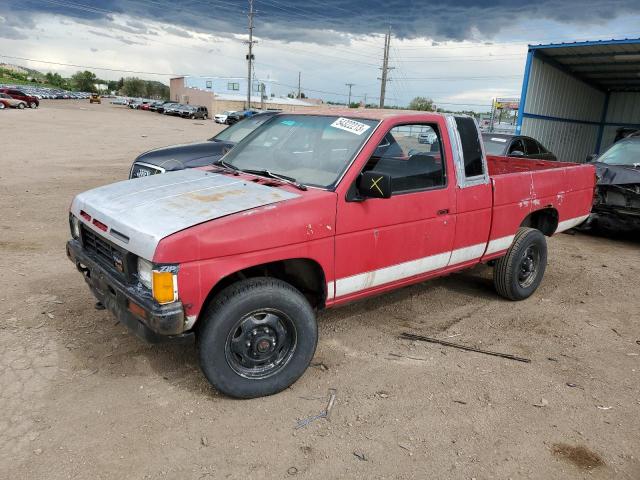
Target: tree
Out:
[422,104]
[133,87]
[112,85]
[84,81]
[56,80]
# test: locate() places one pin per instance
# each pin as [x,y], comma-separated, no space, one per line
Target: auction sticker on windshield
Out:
[350,126]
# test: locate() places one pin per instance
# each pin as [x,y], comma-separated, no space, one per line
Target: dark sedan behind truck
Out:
[192,155]
[518,146]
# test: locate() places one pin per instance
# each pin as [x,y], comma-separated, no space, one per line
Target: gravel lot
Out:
[82,398]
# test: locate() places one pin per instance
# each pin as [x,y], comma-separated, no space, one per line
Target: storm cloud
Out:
[322,23]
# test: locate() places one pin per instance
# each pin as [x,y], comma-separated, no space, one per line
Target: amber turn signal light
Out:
[164,287]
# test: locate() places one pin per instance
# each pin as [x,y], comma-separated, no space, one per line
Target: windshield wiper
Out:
[282,178]
[226,166]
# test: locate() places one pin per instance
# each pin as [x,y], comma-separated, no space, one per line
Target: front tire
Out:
[33,105]
[257,338]
[519,273]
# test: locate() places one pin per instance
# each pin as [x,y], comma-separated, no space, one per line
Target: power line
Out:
[91,67]
[461,78]
[306,53]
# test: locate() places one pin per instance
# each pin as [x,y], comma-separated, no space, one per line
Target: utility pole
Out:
[299,76]
[385,67]
[250,14]
[349,85]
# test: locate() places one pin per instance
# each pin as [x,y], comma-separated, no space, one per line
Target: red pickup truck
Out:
[311,211]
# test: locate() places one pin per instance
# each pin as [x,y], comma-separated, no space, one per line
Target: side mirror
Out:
[591,158]
[374,185]
[516,153]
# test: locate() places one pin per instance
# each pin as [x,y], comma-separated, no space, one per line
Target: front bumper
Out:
[158,323]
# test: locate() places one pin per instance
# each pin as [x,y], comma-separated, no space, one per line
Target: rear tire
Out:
[21,106]
[257,338]
[1,105]
[519,273]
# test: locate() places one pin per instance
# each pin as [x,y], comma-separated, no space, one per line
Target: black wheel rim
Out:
[529,266]
[261,343]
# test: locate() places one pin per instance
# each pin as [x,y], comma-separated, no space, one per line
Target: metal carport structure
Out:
[576,95]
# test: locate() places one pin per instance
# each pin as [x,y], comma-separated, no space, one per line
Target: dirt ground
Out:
[82,398]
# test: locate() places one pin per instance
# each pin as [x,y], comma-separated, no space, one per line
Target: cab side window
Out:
[412,156]
[471,147]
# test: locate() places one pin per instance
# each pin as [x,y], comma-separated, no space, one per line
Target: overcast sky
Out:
[460,56]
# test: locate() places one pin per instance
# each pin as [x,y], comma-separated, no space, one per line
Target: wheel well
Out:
[545,220]
[304,274]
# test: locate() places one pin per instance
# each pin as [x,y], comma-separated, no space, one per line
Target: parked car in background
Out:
[154,106]
[145,106]
[427,138]
[165,106]
[9,102]
[95,98]
[192,155]
[617,202]
[237,116]
[194,111]
[304,215]
[30,100]
[518,146]
[172,109]
[222,117]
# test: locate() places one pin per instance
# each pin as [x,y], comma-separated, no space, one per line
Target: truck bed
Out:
[522,187]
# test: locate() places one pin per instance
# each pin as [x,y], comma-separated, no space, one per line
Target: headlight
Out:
[75,226]
[144,272]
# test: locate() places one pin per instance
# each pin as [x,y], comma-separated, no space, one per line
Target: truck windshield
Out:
[313,149]
[626,152]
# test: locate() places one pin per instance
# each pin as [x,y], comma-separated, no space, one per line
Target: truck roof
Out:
[369,114]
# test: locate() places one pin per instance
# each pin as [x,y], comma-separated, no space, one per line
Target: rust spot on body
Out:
[214,197]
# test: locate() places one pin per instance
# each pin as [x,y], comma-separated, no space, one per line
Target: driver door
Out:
[384,242]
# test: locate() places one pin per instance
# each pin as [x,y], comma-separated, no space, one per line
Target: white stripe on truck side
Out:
[382,276]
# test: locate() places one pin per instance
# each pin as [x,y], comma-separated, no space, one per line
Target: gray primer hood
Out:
[148,209]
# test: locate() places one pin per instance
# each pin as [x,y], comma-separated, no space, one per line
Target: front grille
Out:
[139,170]
[104,250]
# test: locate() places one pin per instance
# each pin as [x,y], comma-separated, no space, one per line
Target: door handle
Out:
[444,211]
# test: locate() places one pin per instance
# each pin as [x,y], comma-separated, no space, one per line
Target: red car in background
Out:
[8,102]
[144,106]
[30,100]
